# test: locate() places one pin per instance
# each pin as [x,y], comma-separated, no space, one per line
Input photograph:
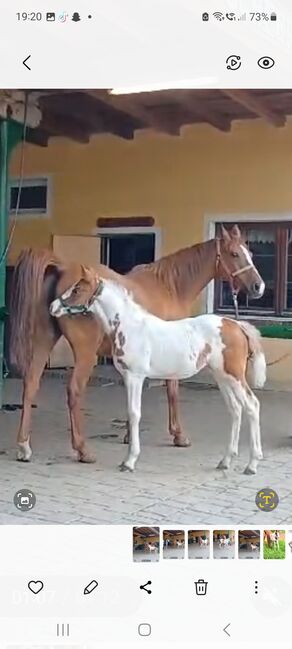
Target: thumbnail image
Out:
[173,544]
[274,544]
[198,544]
[223,544]
[146,544]
[249,544]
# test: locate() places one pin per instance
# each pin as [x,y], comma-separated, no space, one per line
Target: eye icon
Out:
[266,62]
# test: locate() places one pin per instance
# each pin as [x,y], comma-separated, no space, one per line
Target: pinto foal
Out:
[143,346]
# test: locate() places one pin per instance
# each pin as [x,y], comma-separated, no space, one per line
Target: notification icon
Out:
[63,17]
[50,16]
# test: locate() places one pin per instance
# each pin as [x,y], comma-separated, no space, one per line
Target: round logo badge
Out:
[24,500]
[267,499]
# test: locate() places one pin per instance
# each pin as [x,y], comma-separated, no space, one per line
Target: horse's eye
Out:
[234,254]
[75,291]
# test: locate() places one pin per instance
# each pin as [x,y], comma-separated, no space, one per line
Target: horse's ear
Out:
[87,272]
[225,234]
[235,232]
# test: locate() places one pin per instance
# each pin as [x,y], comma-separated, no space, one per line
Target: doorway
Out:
[122,252]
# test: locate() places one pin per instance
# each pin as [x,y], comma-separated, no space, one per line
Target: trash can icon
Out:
[201,587]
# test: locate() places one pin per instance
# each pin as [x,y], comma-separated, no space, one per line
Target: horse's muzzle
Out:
[55,308]
[257,290]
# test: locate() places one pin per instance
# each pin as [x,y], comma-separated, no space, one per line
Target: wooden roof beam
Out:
[59,125]
[204,114]
[37,136]
[256,105]
[126,105]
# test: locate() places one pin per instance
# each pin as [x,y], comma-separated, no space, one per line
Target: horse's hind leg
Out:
[30,387]
[234,406]
[180,439]
[252,409]
[84,363]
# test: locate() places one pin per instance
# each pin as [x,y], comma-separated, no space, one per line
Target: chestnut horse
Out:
[167,288]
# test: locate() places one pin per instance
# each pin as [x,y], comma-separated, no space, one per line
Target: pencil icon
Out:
[90,587]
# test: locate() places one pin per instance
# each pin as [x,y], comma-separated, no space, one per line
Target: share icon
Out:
[144,587]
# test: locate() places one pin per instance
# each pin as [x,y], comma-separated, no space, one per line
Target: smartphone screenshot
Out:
[145,324]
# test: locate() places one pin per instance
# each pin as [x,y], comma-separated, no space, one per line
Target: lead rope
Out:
[235,303]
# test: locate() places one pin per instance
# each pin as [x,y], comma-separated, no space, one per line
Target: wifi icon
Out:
[218,15]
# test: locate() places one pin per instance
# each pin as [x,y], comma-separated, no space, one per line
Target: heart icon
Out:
[35,586]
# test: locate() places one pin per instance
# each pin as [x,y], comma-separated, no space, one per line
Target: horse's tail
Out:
[257,361]
[27,294]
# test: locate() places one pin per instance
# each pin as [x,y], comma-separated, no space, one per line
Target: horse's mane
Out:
[179,270]
[126,294]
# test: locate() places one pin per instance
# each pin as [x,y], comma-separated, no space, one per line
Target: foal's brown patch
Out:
[236,350]
[118,338]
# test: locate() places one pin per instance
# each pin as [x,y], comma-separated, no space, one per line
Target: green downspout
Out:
[10,135]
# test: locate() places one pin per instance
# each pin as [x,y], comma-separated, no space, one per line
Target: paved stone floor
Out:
[170,486]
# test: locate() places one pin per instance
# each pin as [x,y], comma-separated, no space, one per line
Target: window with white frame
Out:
[33,196]
[271,245]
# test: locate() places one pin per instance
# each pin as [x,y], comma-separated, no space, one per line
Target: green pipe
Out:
[11,134]
[3,236]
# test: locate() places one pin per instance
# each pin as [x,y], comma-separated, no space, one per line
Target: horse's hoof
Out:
[181,442]
[87,458]
[23,456]
[126,439]
[249,471]
[222,465]
[124,467]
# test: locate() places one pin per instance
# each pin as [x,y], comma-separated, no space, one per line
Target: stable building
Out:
[125,179]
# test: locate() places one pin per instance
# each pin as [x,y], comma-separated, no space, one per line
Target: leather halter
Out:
[230,275]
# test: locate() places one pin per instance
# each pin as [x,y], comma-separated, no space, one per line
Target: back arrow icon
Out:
[225,629]
[25,60]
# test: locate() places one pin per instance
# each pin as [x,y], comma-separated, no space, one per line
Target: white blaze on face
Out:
[250,261]
[56,308]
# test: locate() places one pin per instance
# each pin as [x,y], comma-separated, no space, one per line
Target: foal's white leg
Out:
[134,385]
[252,409]
[234,406]
[246,400]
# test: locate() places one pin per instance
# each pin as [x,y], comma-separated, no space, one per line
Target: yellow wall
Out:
[176,180]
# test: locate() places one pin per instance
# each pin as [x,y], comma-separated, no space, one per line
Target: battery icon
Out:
[273,16]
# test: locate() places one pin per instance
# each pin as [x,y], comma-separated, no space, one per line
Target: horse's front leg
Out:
[134,385]
[174,426]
